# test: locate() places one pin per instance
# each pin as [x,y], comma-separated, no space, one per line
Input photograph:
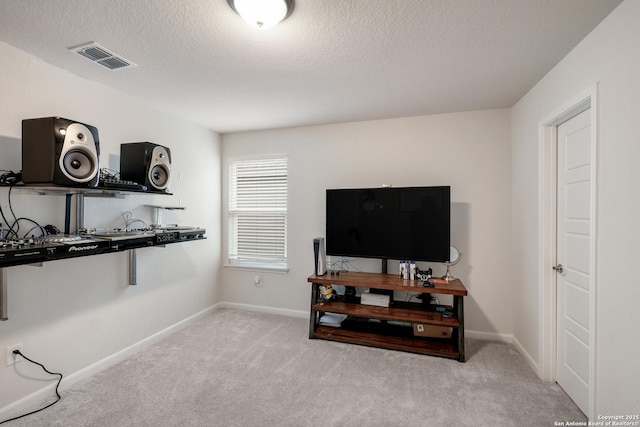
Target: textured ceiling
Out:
[331,61]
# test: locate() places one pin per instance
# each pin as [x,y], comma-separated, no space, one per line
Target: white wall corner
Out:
[530,360]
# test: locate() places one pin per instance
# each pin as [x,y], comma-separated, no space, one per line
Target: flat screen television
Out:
[404,223]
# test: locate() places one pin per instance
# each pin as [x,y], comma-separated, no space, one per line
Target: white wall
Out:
[70,314]
[610,57]
[469,151]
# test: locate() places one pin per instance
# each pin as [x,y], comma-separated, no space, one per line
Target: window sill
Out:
[258,267]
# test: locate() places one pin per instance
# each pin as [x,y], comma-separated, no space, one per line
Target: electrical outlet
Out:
[13,358]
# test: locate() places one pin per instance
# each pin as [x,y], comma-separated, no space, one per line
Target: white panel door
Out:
[574,314]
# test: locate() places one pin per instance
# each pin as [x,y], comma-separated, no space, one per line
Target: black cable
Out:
[10,177]
[106,173]
[37,226]
[27,233]
[51,229]
[6,222]
[14,227]
[48,372]
[15,222]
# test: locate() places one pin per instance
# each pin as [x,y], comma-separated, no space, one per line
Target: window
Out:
[258,213]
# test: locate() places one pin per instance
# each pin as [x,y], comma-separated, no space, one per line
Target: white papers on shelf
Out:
[375,299]
[332,319]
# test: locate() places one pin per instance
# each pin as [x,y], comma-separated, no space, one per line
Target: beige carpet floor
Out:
[239,368]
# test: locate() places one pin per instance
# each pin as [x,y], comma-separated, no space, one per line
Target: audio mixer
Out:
[60,246]
[48,248]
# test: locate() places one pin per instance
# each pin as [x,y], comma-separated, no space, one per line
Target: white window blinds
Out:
[258,212]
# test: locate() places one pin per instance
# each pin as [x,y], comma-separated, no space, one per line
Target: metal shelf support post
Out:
[3,295]
[133,269]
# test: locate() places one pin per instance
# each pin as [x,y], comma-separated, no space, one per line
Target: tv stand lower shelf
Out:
[389,327]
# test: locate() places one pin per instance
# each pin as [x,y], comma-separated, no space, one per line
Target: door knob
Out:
[559,268]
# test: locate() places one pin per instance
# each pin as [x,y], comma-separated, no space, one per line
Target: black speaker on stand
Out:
[147,164]
[60,151]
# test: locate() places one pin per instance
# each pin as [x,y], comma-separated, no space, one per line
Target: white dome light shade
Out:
[262,14]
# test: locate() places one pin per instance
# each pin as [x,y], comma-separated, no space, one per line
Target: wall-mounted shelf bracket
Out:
[3,295]
[79,212]
[157,212]
[133,269]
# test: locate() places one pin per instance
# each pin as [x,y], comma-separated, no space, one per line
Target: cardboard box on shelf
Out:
[432,331]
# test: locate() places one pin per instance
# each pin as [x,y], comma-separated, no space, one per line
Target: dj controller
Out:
[92,242]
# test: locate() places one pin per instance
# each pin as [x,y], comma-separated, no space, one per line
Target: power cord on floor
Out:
[16,353]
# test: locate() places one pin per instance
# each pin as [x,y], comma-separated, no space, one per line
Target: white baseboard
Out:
[488,336]
[265,309]
[36,397]
[134,348]
[530,360]
[27,403]
[507,338]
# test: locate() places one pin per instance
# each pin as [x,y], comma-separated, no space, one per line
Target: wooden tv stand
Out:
[389,327]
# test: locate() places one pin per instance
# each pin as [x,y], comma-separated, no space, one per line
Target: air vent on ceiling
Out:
[100,55]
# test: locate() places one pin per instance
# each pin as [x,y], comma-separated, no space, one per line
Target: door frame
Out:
[547,302]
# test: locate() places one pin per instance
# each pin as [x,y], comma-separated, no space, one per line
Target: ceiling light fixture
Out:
[262,14]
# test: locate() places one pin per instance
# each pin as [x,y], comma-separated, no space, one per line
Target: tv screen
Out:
[409,223]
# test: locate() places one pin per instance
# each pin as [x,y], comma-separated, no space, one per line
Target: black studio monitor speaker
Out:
[60,151]
[147,164]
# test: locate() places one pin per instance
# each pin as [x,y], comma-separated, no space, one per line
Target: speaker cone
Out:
[159,176]
[79,165]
